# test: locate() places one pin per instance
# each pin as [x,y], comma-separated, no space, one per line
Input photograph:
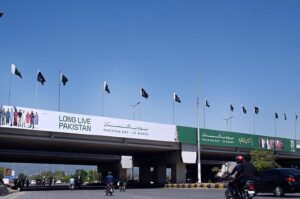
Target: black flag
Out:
[63,79]
[296,117]
[231,108]
[206,103]
[40,78]
[285,117]
[176,98]
[256,110]
[276,115]
[106,87]
[244,110]
[144,93]
[15,71]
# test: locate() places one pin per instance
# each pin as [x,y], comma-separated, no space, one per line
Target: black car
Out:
[278,181]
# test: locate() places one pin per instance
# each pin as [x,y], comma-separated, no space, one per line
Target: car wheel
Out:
[278,191]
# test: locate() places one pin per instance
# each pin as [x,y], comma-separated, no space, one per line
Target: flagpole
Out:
[204,115]
[254,123]
[198,132]
[230,119]
[296,126]
[275,128]
[36,91]
[9,90]
[102,99]
[141,108]
[59,91]
[173,108]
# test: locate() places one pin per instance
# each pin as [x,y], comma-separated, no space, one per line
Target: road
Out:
[131,194]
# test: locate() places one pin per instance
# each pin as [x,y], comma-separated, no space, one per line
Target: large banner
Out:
[222,138]
[42,120]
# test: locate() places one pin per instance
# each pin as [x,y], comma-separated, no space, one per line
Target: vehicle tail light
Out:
[250,186]
[290,179]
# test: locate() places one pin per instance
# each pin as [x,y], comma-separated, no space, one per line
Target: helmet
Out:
[239,159]
[109,173]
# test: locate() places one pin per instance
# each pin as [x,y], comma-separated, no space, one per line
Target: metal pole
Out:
[173,110]
[9,90]
[275,129]
[198,143]
[59,76]
[295,126]
[36,91]
[253,124]
[204,116]
[102,101]
[230,120]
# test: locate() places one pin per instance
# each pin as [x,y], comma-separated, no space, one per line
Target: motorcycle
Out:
[122,186]
[245,192]
[109,189]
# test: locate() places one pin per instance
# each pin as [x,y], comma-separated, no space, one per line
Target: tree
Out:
[263,159]
[1,173]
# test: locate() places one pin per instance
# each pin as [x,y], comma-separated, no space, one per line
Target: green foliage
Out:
[1,173]
[22,176]
[263,159]
[82,174]
[93,176]
[215,170]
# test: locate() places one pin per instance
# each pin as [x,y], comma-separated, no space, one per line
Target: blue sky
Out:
[245,52]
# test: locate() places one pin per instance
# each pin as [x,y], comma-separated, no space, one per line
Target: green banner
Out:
[188,135]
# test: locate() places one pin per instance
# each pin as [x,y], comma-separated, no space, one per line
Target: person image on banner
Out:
[31,119]
[27,119]
[36,119]
[16,118]
[7,116]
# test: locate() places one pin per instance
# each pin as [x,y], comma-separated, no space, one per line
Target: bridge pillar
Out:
[178,173]
[114,167]
[161,174]
[145,174]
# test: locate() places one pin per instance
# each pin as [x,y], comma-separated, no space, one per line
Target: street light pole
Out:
[228,119]
[134,109]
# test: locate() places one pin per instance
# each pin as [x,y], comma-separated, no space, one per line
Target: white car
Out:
[33,182]
[58,182]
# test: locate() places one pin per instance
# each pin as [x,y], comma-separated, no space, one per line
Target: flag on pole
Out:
[285,117]
[276,115]
[176,98]
[40,78]
[296,116]
[256,110]
[15,71]
[244,109]
[206,103]
[231,108]
[63,79]
[105,87]
[144,93]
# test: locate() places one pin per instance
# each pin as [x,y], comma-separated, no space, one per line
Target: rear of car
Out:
[278,181]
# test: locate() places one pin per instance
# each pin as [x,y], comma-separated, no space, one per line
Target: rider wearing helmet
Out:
[109,179]
[244,171]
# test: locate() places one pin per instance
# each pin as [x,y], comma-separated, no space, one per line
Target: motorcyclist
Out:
[109,180]
[244,171]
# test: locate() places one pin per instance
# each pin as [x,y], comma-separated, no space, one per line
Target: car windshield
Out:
[290,171]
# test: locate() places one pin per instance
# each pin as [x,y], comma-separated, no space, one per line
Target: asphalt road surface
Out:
[131,194]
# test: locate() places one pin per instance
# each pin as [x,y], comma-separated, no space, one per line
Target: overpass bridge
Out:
[41,136]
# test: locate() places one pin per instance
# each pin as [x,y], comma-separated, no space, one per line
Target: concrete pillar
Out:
[178,173]
[114,167]
[145,174]
[161,174]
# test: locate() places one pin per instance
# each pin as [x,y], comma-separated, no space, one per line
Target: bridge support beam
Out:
[178,173]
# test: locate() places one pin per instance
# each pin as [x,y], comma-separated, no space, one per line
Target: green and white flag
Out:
[15,71]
